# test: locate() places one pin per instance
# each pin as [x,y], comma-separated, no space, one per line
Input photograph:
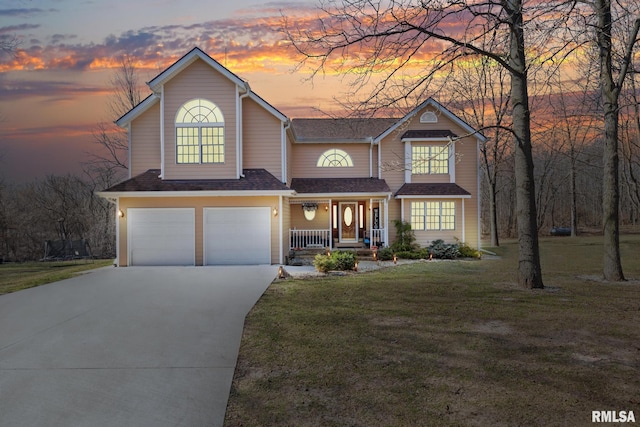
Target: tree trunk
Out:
[572,189]
[493,215]
[529,271]
[611,191]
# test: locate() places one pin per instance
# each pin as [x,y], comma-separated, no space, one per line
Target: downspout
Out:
[239,121]
[283,158]
[280,224]
[464,220]
[371,157]
[379,161]
[161,133]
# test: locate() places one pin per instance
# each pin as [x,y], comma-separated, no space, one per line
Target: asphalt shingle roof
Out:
[424,133]
[254,180]
[432,189]
[339,185]
[309,129]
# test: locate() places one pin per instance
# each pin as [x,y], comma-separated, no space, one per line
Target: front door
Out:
[348,222]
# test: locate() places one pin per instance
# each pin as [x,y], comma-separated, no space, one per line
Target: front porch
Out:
[338,223]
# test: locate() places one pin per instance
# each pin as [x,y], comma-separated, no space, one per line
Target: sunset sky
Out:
[53,92]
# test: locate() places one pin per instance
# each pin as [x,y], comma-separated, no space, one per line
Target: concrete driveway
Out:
[137,346]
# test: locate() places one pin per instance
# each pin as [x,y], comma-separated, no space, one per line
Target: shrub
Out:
[443,250]
[344,260]
[405,237]
[410,255]
[467,251]
[324,263]
[338,260]
[385,254]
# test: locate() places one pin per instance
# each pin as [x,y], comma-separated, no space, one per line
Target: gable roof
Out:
[187,60]
[433,103]
[180,65]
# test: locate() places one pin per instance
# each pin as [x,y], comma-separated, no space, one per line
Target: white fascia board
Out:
[366,140]
[432,102]
[143,106]
[425,139]
[467,196]
[270,108]
[187,60]
[156,194]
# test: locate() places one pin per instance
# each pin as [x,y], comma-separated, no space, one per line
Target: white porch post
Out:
[281,231]
[118,231]
[386,221]
[331,219]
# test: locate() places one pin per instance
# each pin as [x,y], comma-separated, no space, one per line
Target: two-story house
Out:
[219,176]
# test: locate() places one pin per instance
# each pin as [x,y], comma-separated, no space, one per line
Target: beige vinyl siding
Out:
[305,159]
[199,80]
[199,203]
[262,139]
[466,172]
[145,137]
[425,237]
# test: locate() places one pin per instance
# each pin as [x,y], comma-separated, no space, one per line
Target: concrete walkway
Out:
[130,346]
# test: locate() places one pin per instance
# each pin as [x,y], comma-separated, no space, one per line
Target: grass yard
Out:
[17,276]
[445,343]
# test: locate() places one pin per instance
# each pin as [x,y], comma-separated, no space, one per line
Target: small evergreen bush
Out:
[338,260]
[443,250]
[467,251]
[385,254]
[324,263]
[405,237]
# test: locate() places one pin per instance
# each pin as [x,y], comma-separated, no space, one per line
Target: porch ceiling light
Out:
[309,210]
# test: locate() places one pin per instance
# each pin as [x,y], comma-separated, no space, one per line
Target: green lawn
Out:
[18,276]
[445,343]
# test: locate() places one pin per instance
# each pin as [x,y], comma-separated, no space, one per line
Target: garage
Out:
[161,236]
[237,235]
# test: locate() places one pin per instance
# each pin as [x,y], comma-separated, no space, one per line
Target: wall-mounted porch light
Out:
[120,213]
[275,211]
[309,210]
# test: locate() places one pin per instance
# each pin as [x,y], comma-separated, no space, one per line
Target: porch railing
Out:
[309,238]
[377,237]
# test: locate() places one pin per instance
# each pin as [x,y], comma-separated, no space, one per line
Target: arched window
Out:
[334,158]
[199,133]
[429,117]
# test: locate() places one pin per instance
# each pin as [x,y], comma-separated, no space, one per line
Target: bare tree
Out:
[386,38]
[612,78]
[112,140]
[479,94]
[9,45]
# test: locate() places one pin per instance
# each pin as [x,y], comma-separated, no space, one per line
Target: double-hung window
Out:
[199,133]
[433,215]
[429,159]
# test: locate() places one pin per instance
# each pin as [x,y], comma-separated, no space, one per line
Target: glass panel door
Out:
[348,222]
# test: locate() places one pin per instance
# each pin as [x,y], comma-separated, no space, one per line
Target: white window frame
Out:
[433,216]
[335,158]
[434,159]
[204,115]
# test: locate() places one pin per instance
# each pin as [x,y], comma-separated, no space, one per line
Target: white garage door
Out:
[159,236]
[237,236]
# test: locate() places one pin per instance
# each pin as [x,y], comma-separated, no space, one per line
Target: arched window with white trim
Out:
[335,158]
[199,133]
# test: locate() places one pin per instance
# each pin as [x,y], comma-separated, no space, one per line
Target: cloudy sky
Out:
[53,92]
